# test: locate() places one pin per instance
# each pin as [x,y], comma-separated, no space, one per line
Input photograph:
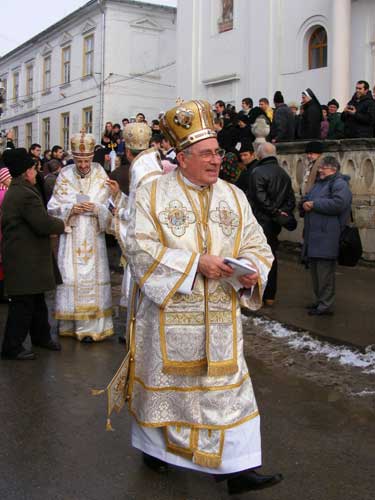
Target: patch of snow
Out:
[304,341]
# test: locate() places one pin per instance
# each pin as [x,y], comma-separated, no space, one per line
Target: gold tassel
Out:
[220,371]
[207,460]
[108,426]
[97,392]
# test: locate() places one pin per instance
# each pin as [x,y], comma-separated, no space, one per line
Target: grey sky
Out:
[22,19]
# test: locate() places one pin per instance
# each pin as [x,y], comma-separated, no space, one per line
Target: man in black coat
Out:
[359,114]
[27,258]
[311,116]
[283,123]
[271,197]
[248,159]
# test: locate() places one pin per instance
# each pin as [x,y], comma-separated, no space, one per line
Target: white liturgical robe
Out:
[190,391]
[84,300]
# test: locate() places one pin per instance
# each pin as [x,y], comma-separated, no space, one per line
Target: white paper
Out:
[241,268]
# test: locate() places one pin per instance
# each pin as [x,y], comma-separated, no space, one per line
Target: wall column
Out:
[340,52]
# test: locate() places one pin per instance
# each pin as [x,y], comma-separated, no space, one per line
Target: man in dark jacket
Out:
[336,125]
[271,197]
[27,259]
[327,210]
[248,159]
[359,114]
[283,123]
[311,116]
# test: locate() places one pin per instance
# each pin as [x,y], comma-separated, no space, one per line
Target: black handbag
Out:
[350,247]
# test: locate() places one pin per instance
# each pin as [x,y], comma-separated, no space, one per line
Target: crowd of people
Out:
[196,211]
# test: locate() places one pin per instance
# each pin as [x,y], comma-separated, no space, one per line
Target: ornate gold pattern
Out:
[177,217]
[227,219]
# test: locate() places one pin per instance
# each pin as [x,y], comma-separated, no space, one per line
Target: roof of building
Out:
[87,6]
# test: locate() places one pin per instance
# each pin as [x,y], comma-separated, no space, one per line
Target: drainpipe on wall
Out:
[101,87]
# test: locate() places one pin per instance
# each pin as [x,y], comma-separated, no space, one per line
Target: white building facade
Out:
[230,49]
[108,60]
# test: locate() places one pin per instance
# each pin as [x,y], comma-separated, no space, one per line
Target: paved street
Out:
[54,444]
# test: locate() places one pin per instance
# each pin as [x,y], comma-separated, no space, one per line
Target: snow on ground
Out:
[303,341]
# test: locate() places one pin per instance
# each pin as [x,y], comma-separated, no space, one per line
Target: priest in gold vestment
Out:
[190,393]
[80,198]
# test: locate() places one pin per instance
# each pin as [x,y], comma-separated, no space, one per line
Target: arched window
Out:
[318,49]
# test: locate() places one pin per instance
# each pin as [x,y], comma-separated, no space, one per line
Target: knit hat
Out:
[246,147]
[243,118]
[4,175]
[278,97]
[17,161]
[333,102]
[314,147]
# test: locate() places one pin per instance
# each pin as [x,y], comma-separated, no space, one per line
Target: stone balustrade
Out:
[357,159]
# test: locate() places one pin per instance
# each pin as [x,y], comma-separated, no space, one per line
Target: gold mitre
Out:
[137,136]
[187,123]
[82,145]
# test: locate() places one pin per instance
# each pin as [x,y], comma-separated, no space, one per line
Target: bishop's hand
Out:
[213,267]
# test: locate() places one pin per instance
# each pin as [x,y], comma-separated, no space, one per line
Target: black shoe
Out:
[87,340]
[122,340]
[51,345]
[320,312]
[311,306]
[250,480]
[24,355]
[154,463]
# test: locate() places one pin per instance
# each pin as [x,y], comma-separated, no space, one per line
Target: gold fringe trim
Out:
[182,452]
[174,423]
[185,370]
[97,392]
[205,460]
[219,370]
[192,388]
[108,426]
[77,316]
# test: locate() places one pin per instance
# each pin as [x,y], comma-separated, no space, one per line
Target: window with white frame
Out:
[66,58]
[46,133]
[47,73]
[29,80]
[65,133]
[88,55]
[28,135]
[5,93]
[16,85]
[87,119]
[15,136]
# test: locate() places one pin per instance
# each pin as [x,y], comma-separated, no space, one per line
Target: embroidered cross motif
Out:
[177,218]
[85,252]
[227,219]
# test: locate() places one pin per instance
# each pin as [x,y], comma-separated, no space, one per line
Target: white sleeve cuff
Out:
[187,286]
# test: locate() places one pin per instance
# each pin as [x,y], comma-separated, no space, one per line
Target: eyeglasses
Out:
[209,155]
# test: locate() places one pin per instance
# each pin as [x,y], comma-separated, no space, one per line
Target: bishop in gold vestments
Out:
[190,392]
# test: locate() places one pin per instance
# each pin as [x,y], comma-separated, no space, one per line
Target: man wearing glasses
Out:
[359,114]
[326,211]
[190,393]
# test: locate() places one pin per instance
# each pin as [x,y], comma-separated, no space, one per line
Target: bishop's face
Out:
[83,165]
[201,162]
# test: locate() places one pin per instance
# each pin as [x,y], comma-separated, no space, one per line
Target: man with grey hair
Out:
[272,199]
[327,209]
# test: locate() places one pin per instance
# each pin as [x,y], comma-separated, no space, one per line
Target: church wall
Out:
[266,50]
